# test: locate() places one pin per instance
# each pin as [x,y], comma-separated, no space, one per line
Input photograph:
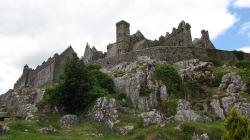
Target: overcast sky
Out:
[33,30]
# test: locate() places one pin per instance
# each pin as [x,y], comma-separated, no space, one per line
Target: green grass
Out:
[80,131]
[245,95]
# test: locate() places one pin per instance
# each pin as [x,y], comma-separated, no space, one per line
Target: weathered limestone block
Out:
[69,120]
[185,113]
[215,104]
[152,117]
[138,83]
[195,69]
[104,112]
[232,83]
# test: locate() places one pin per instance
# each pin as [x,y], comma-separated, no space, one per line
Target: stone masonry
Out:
[45,74]
[125,43]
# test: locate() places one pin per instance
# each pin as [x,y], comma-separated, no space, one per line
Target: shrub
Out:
[192,88]
[79,86]
[170,106]
[245,74]
[170,77]
[187,128]
[236,125]
[239,54]
[119,73]
[243,64]
[144,91]
[50,97]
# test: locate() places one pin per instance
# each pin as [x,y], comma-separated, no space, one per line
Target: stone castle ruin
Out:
[45,74]
[173,47]
[125,43]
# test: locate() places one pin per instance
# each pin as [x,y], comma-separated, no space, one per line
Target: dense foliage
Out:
[237,126]
[79,86]
[170,106]
[170,77]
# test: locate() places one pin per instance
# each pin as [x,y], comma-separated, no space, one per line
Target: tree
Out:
[236,125]
[74,86]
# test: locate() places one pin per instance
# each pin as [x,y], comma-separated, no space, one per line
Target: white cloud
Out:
[31,31]
[245,49]
[242,3]
[245,29]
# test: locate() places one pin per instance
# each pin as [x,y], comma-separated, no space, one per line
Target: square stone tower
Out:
[122,37]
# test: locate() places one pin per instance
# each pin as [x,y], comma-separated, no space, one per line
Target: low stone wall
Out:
[171,55]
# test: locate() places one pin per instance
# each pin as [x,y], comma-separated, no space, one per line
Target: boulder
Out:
[195,69]
[69,120]
[215,104]
[152,117]
[104,112]
[47,130]
[232,83]
[185,113]
[22,102]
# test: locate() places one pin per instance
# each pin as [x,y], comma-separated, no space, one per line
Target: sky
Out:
[33,30]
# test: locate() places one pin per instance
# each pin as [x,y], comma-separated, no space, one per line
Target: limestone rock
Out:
[104,112]
[232,83]
[95,135]
[215,104]
[69,120]
[47,130]
[203,136]
[227,103]
[125,130]
[152,117]
[22,102]
[244,109]
[4,129]
[195,69]
[138,76]
[185,113]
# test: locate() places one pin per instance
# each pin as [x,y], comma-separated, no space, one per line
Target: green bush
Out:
[216,76]
[170,106]
[239,54]
[236,125]
[243,64]
[79,86]
[245,74]
[170,77]
[192,88]
[50,97]
[187,128]
[144,91]
[119,73]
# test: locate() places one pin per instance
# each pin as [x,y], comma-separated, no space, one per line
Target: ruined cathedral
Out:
[174,46]
[125,43]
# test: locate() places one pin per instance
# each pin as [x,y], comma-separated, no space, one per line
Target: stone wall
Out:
[171,55]
[45,74]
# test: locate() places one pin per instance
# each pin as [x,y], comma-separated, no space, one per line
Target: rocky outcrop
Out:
[125,130]
[195,69]
[218,110]
[152,117]
[232,83]
[185,113]
[104,112]
[22,102]
[69,120]
[137,82]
